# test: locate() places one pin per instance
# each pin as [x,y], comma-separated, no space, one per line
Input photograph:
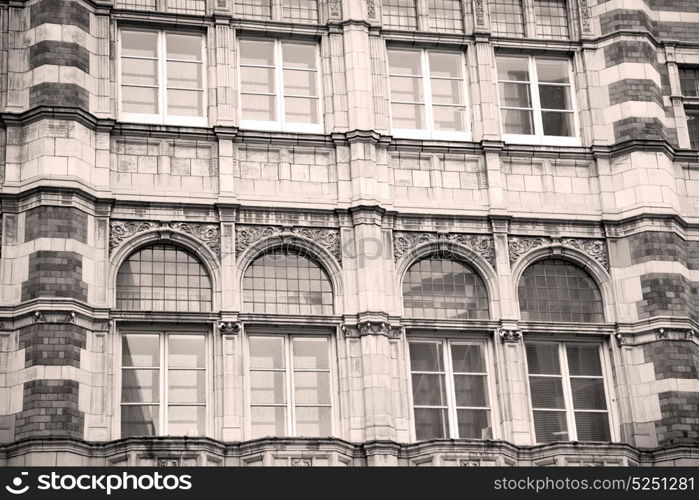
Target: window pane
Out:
[445,65]
[474,424]
[426,357]
[588,393]
[518,121]
[299,55]
[693,126]
[430,423]
[554,97]
[448,118]
[139,421]
[404,62]
[428,390]
[558,124]
[583,359]
[515,95]
[257,80]
[310,353]
[471,390]
[689,82]
[551,18]
[399,14]
[187,386]
[139,100]
[552,71]
[513,68]
[185,102]
[311,388]
[257,52]
[406,88]
[409,116]
[300,83]
[186,420]
[187,47]
[259,107]
[547,392]
[313,421]
[140,386]
[183,74]
[445,15]
[592,426]
[140,350]
[139,44]
[506,17]
[186,351]
[267,421]
[267,352]
[467,358]
[139,71]
[543,359]
[300,110]
[446,91]
[267,387]
[550,426]
[303,11]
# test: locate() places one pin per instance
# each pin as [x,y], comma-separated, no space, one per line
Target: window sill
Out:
[547,140]
[303,128]
[431,136]
[169,121]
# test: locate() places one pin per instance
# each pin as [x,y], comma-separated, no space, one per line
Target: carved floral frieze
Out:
[519,245]
[364,328]
[405,241]
[122,230]
[249,235]
[597,249]
[594,248]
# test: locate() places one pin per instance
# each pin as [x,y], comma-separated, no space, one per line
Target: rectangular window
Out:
[450,390]
[689,85]
[290,386]
[302,11]
[689,82]
[445,15]
[693,126]
[163,384]
[428,95]
[279,86]
[258,9]
[568,396]
[506,17]
[162,77]
[551,18]
[399,14]
[536,100]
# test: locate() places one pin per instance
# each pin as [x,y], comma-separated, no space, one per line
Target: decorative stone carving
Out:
[38,317]
[597,249]
[478,13]
[248,235]
[70,317]
[519,245]
[335,9]
[405,241]
[230,327]
[510,336]
[122,230]
[371,9]
[469,463]
[585,23]
[168,462]
[301,462]
[691,334]
[373,328]
[661,333]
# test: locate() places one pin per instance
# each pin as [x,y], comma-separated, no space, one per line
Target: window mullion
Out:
[427,89]
[567,393]
[279,73]
[450,389]
[536,101]
[162,74]
[163,384]
[291,413]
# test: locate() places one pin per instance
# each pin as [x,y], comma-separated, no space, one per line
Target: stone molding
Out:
[248,235]
[404,242]
[230,327]
[123,230]
[594,248]
[364,328]
[509,336]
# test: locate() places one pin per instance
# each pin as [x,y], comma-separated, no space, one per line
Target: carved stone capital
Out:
[364,328]
[230,327]
[510,336]
[404,242]
[122,230]
[248,235]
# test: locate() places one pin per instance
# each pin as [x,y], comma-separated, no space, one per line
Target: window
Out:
[300,11]
[506,17]
[567,387]
[280,88]
[428,98]
[163,384]
[556,290]
[445,15]
[450,390]
[536,100]
[260,9]
[399,14]
[163,278]
[689,83]
[287,282]
[162,77]
[290,386]
[551,18]
[444,289]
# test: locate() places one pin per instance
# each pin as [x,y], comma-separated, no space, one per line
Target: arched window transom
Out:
[441,288]
[163,278]
[283,281]
[557,290]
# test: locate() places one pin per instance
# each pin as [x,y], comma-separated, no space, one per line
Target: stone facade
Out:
[83,188]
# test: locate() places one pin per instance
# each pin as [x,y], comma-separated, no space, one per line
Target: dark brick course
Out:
[634,89]
[680,418]
[668,294]
[60,12]
[673,359]
[624,51]
[59,54]
[54,274]
[58,94]
[673,5]
[657,245]
[55,222]
[644,129]
[637,20]
[52,344]
[50,408]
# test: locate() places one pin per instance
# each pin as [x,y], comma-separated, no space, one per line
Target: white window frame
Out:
[538,137]
[163,118]
[448,372]
[163,404]
[430,132]
[280,124]
[567,390]
[288,371]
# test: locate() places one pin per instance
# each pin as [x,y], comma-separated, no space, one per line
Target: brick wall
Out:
[638,128]
[54,274]
[55,222]
[50,408]
[680,421]
[60,12]
[58,94]
[673,359]
[635,89]
[668,294]
[59,54]
[52,344]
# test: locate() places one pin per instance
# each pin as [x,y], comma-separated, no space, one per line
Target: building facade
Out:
[398,232]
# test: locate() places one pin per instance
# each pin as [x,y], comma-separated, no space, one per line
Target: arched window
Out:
[283,281]
[556,290]
[163,278]
[441,288]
